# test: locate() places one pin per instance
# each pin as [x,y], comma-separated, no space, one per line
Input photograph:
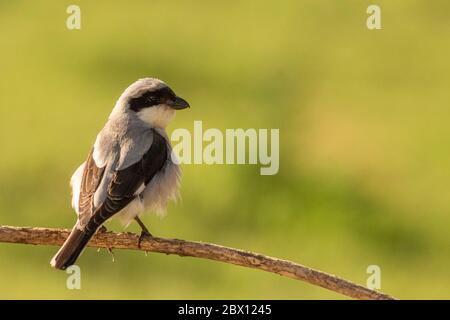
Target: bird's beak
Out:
[179,104]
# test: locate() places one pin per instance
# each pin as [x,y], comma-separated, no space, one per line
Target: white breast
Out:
[154,198]
[163,187]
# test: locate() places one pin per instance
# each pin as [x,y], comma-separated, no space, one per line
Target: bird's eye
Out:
[144,101]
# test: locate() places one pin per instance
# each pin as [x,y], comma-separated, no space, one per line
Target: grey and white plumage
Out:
[129,169]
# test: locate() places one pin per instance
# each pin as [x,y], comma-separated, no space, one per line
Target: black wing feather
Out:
[126,182]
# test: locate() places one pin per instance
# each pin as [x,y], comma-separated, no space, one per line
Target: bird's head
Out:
[152,101]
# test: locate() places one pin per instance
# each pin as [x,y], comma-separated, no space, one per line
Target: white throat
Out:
[157,116]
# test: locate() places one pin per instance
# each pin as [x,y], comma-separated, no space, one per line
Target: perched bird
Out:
[129,169]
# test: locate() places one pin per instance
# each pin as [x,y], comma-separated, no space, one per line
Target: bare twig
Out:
[110,240]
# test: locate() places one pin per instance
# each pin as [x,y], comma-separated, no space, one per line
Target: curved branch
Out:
[110,240]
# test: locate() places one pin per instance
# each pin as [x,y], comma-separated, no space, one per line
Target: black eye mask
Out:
[152,98]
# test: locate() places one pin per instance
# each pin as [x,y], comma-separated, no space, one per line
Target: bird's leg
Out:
[143,227]
[144,232]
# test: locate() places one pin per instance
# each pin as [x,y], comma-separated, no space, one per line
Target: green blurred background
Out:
[364,124]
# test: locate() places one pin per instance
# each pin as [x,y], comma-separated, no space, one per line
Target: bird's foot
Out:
[102,229]
[111,253]
[144,234]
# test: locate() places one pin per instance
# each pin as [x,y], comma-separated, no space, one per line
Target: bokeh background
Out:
[364,119]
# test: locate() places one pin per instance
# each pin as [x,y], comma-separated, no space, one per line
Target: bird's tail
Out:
[72,247]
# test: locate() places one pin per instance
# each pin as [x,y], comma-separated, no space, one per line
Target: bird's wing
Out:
[92,176]
[119,185]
